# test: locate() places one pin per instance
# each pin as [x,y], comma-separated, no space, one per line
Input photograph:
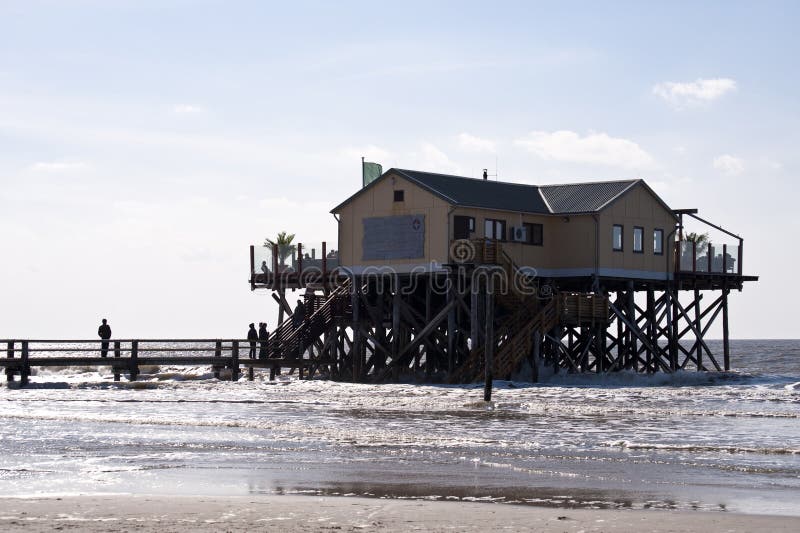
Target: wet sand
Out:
[313,513]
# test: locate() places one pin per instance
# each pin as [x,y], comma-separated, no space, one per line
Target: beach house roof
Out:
[571,198]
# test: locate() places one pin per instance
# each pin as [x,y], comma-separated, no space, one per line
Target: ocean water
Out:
[706,441]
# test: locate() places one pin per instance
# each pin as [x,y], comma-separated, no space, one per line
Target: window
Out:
[616,238]
[638,240]
[495,229]
[399,196]
[535,233]
[658,241]
[463,227]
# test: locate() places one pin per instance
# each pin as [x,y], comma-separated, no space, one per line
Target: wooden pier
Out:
[129,356]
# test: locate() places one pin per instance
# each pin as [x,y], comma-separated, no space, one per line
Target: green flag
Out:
[370,172]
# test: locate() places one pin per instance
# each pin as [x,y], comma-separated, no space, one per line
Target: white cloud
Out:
[594,148]
[57,166]
[679,94]
[433,159]
[186,109]
[476,144]
[729,165]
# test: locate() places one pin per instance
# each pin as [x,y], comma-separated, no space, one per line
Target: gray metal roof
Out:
[583,197]
[480,193]
[587,197]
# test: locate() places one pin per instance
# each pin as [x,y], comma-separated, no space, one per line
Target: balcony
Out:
[292,266]
[708,258]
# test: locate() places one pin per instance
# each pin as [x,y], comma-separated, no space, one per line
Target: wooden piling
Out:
[26,369]
[726,346]
[134,369]
[117,354]
[10,355]
[217,353]
[489,342]
[235,361]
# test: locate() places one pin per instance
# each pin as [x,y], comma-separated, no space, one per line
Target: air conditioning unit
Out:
[519,234]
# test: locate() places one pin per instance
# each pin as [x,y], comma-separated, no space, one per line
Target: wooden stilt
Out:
[489,343]
[726,346]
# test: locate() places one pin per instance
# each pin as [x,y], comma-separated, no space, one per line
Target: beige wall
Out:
[569,242]
[636,208]
[378,201]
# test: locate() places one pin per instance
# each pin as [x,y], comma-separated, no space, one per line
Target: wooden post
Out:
[724,258]
[451,327]
[299,264]
[726,347]
[324,266]
[356,325]
[134,371]
[10,355]
[397,338]
[672,324]
[274,266]
[694,256]
[651,330]
[741,246]
[489,342]
[253,268]
[116,356]
[26,369]
[537,351]
[633,348]
[235,361]
[428,355]
[281,305]
[217,353]
[474,313]
[708,255]
[698,345]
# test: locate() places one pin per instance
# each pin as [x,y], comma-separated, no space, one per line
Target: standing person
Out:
[298,317]
[104,332]
[263,336]
[252,336]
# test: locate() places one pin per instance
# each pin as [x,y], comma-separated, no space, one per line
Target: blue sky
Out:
[146,144]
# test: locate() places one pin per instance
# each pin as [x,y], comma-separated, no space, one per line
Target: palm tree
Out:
[698,238]
[284,243]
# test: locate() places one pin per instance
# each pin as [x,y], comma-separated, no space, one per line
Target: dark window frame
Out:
[503,227]
[399,195]
[661,231]
[529,228]
[641,250]
[621,239]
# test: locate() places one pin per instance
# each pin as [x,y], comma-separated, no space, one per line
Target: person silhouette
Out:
[263,336]
[252,336]
[104,332]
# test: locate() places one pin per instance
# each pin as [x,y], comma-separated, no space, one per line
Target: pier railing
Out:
[295,265]
[129,356]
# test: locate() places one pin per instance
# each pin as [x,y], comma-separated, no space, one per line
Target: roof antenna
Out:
[486,174]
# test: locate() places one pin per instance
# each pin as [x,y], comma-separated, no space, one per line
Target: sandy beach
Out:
[306,513]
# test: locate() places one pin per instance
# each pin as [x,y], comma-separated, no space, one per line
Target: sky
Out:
[145,145]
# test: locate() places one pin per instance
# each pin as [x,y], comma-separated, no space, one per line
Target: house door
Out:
[462,226]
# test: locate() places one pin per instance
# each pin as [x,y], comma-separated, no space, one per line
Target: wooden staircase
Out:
[513,343]
[290,341]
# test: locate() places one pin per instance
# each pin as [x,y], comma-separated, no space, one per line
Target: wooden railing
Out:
[129,356]
[269,268]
